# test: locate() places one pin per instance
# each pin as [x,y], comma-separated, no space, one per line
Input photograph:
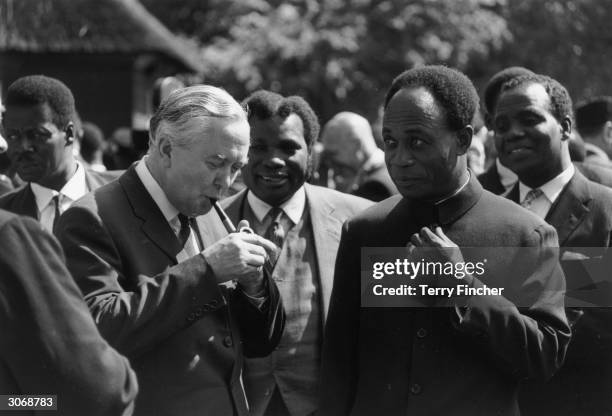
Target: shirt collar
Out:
[75,188]
[553,187]
[506,177]
[156,192]
[293,207]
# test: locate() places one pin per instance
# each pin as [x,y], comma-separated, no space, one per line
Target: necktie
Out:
[531,197]
[184,236]
[275,232]
[56,202]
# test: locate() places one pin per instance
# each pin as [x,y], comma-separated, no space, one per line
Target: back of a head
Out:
[592,115]
[199,101]
[92,141]
[34,90]
[264,105]
[349,127]
[451,88]
[494,85]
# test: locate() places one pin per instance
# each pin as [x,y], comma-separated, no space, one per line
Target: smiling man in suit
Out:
[305,222]
[533,122]
[157,277]
[39,127]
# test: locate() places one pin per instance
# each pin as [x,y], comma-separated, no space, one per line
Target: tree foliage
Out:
[343,54]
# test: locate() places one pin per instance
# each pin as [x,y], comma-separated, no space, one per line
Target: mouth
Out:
[275,179]
[518,149]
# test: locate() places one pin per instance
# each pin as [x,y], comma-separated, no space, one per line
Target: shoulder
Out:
[340,201]
[7,199]
[101,178]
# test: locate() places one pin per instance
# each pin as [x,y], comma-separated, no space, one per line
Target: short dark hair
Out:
[451,88]
[494,85]
[265,104]
[92,140]
[560,100]
[592,114]
[39,89]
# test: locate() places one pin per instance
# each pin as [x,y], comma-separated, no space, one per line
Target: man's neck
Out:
[58,180]
[535,179]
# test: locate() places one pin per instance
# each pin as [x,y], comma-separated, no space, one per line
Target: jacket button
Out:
[415,388]
[191,317]
[213,303]
[421,333]
[199,312]
[227,341]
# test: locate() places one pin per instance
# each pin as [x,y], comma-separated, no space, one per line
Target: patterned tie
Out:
[531,197]
[275,232]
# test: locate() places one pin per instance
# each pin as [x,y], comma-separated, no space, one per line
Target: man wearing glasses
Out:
[39,129]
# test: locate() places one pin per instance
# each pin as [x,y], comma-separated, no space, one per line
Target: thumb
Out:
[242,223]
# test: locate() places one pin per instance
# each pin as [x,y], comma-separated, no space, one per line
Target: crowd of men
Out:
[165,289]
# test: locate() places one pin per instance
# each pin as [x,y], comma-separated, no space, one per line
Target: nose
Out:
[223,179]
[274,160]
[402,156]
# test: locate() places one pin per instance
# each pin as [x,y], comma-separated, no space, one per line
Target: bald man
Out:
[357,164]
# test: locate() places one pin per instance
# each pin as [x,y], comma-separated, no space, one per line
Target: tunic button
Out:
[422,333]
[415,388]
[227,341]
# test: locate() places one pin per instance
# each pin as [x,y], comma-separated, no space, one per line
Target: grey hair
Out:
[185,104]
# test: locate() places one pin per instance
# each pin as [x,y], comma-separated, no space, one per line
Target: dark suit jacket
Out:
[22,201]
[582,216]
[376,185]
[184,334]
[49,342]
[328,210]
[446,361]
[600,174]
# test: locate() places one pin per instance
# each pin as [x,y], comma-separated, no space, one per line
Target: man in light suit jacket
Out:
[49,343]
[533,121]
[182,299]
[39,127]
[460,356]
[283,130]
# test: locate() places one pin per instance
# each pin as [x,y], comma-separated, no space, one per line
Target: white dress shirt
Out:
[550,192]
[168,210]
[75,188]
[293,207]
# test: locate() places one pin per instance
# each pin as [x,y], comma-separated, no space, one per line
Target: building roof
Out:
[88,26]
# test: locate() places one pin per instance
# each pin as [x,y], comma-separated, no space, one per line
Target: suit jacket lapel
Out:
[570,208]
[514,194]
[154,224]
[325,230]
[25,203]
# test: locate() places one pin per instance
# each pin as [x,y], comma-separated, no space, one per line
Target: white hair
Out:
[183,105]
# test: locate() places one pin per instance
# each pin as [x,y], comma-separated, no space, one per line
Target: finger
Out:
[254,260]
[242,224]
[256,250]
[428,236]
[416,240]
[438,231]
[268,245]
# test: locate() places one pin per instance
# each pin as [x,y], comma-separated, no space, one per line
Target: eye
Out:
[417,142]
[236,168]
[390,143]
[501,125]
[214,165]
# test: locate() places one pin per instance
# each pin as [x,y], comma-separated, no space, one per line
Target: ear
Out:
[164,148]
[464,139]
[69,130]
[607,133]
[566,128]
